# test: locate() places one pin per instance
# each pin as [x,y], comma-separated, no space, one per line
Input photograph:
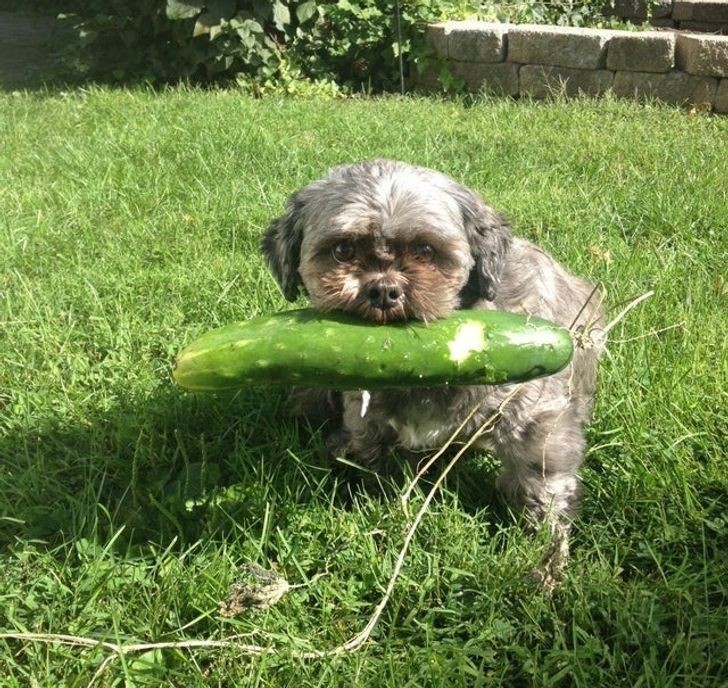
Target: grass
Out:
[130,224]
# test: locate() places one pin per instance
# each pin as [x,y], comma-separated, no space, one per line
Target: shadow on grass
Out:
[185,466]
[147,465]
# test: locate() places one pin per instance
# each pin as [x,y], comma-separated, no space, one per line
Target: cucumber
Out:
[339,351]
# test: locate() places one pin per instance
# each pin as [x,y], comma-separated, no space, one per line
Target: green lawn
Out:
[130,223]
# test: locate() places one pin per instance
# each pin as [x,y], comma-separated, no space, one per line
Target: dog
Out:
[389,241]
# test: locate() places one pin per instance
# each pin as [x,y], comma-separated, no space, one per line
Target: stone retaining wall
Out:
[537,61]
[690,15]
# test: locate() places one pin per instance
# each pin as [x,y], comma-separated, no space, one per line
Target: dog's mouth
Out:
[403,311]
[406,308]
[386,298]
[383,316]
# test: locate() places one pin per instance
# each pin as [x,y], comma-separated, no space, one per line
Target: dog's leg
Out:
[318,405]
[323,408]
[540,464]
[368,439]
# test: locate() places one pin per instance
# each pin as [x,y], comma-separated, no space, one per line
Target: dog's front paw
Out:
[551,570]
[338,444]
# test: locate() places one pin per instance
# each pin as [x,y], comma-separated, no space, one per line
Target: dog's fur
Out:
[390,241]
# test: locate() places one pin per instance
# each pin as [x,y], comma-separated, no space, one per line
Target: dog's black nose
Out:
[383,294]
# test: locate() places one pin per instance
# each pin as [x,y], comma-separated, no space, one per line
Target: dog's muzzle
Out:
[383,294]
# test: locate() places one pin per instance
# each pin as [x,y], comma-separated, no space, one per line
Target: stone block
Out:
[677,88]
[704,27]
[710,11]
[425,80]
[715,11]
[641,9]
[662,23]
[631,9]
[682,10]
[559,46]
[542,81]
[702,55]
[27,46]
[661,9]
[721,97]
[436,37]
[641,51]
[476,41]
[494,77]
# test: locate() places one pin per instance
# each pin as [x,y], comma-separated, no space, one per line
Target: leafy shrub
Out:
[559,12]
[167,40]
[271,43]
[352,42]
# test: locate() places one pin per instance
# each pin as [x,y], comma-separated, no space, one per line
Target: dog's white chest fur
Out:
[421,433]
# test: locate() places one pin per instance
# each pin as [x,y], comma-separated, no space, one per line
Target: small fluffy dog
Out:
[389,241]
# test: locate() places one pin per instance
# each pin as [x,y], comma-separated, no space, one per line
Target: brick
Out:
[542,81]
[641,51]
[702,55]
[674,87]
[477,41]
[495,77]
[721,97]
[560,46]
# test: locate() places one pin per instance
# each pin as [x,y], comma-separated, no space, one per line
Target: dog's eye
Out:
[344,251]
[424,252]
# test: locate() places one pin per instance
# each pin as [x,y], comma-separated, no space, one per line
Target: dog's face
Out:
[387,241]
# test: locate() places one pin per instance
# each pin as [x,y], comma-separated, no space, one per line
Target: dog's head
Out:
[387,241]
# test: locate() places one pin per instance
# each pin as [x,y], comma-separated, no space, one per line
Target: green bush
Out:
[273,43]
[169,40]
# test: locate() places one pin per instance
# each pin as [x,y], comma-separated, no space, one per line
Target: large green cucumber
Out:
[339,351]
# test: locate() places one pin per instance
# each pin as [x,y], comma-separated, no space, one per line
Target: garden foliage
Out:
[347,41]
[357,43]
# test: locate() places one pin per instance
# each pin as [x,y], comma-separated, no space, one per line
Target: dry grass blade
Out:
[632,304]
[351,645]
[583,336]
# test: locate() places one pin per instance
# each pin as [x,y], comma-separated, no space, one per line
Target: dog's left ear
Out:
[490,237]
[281,247]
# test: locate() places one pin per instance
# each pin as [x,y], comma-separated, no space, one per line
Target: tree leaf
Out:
[305,11]
[200,28]
[148,665]
[183,9]
[281,15]
[207,23]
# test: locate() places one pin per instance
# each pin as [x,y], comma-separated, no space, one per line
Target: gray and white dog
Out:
[389,241]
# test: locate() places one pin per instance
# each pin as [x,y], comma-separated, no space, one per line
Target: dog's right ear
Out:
[490,238]
[281,247]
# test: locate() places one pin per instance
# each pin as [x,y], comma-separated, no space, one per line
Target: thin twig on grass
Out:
[351,645]
[583,336]
[651,333]
[632,304]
